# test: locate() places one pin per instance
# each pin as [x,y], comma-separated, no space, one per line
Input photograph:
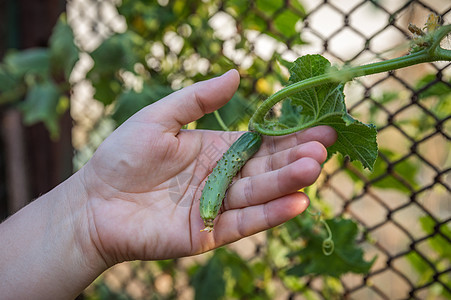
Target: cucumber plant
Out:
[315,97]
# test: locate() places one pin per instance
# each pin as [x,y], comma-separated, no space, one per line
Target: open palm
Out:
[144,182]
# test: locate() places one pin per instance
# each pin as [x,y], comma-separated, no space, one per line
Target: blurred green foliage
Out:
[37,79]
[437,259]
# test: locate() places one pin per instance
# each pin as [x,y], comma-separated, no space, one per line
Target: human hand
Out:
[144,182]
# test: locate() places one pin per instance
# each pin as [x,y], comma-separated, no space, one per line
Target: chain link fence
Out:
[403,208]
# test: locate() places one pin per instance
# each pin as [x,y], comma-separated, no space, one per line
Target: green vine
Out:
[220,121]
[425,49]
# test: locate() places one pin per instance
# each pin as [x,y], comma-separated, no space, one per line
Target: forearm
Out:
[45,248]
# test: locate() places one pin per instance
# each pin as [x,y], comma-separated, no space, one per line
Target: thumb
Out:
[192,102]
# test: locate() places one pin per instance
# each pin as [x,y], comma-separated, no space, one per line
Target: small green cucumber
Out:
[220,178]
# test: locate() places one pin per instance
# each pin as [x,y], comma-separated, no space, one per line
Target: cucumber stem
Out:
[208,225]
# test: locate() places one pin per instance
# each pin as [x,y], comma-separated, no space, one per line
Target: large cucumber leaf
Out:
[325,105]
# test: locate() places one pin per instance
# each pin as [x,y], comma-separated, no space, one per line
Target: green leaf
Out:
[290,114]
[104,291]
[41,103]
[6,80]
[149,19]
[389,179]
[354,139]
[130,102]
[405,169]
[285,23]
[420,265]
[12,88]
[33,60]
[431,86]
[384,99]
[226,275]
[436,241]
[64,53]
[233,113]
[283,20]
[346,257]
[106,89]
[114,53]
[208,280]
[236,8]
[320,101]
[253,22]
[238,274]
[269,7]
[297,5]
[324,105]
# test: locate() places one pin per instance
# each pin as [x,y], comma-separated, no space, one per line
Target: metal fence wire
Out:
[403,208]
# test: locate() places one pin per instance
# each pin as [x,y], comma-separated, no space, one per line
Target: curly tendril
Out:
[328,245]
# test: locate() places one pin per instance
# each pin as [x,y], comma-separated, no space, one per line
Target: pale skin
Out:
[118,208]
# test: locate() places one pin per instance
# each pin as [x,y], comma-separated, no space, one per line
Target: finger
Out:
[235,224]
[271,162]
[264,187]
[192,102]
[271,144]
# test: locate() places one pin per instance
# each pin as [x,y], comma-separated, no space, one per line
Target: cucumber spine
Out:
[220,178]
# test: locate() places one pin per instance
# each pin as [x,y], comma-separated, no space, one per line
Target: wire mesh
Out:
[403,207]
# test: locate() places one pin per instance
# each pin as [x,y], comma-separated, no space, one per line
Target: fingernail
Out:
[231,70]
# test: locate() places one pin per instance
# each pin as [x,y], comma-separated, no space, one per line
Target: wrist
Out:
[70,225]
[46,249]
[85,253]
